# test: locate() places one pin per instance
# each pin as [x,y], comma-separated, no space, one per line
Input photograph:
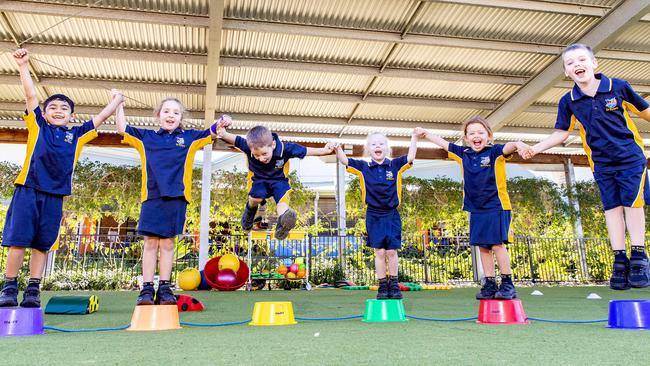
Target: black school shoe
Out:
[382,292]
[31,298]
[619,279]
[286,222]
[146,296]
[248,217]
[9,295]
[639,276]
[165,296]
[488,290]
[393,290]
[506,291]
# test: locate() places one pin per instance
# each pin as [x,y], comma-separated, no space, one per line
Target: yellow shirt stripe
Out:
[139,146]
[189,160]
[33,130]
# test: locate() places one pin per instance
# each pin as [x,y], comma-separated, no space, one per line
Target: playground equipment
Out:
[284,257]
[629,314]
[226,279]
[78,304]
[502,312]
[21,321]
[189,279]
[382,311]
[273,313]
[154,317]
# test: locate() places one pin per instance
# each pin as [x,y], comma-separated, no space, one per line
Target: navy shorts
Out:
[628,187]
[384,229]
[163,217]
[279,189]
[33,219]
[489,228]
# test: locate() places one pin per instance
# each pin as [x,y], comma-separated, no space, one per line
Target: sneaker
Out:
[260,224]
[146,296]
[506,291]
[488,290]
[286,222]
[619,280]
[165,296]
[31,298]
[248,217]
[393,290]
[639,272]
[9,295]
[382,292]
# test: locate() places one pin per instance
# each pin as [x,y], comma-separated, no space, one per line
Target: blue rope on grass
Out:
[215,324]
[334,318]
[443,319]
[84,330]
[567,321]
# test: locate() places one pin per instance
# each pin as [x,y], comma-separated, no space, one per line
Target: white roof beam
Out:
[613,24]
[542,6]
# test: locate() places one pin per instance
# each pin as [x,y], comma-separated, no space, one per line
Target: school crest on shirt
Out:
[389,175]
[180,142]
[485,161]
[69,137]
[279,164]
[611,104]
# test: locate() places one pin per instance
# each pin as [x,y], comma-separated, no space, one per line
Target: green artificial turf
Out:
[349,342]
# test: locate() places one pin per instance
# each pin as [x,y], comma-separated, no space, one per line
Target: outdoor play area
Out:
[324,182]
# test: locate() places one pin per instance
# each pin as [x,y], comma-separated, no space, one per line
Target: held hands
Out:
[116,94]
[420,132]
[219,126]
[331,146]
[524,150]
[21,56]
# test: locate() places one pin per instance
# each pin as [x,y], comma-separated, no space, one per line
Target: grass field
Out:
[349,342]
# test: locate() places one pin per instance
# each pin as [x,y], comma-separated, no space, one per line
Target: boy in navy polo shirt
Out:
[380,180]
[36,207]
[486,199]
[167,156]
[268,172]
[615,151]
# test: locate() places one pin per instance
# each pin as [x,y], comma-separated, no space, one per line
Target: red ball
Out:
[227,278]
[294,268]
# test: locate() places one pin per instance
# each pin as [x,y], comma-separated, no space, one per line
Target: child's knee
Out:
[380,253]
[254,201]
[391,254]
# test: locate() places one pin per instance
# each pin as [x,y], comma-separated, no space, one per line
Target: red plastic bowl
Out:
[502,312]
[211,269]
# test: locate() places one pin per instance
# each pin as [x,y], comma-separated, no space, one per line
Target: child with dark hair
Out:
[36,208]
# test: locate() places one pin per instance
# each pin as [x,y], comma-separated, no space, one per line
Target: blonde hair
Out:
[156,111]
[481,121]
[365,148]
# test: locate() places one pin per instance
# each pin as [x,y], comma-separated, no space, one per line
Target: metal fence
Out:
[422,258]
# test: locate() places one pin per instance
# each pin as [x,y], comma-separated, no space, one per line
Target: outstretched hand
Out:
[223,122]
[420,132]
[117,94]
[525,151]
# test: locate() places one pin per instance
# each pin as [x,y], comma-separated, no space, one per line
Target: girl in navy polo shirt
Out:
[486,199]
[381,190]
[167,155]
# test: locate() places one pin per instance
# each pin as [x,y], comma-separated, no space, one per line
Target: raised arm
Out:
[118,99]
[226,136]
[556,138]
[120,120]
[21,56]
[321,151]
[413,148]
[421,132]
[340,154]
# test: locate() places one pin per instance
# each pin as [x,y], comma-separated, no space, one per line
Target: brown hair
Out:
[480,120]
[156,111]
[577,46]
[259,136]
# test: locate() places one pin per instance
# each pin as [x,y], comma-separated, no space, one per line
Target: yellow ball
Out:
[189,279]
[291,275]
[229,261]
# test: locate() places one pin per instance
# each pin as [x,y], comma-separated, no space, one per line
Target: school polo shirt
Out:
[484,177]
[167,159]
[278,167]
[381,183]
[609,136]
[52,153]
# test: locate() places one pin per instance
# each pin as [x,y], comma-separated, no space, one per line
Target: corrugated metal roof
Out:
[248,77]
[326,19]
[500,23]
[468,60]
